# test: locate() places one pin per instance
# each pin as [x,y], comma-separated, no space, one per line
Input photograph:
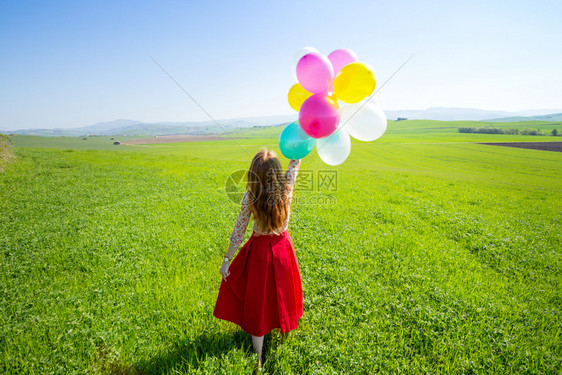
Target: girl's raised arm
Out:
[292,170]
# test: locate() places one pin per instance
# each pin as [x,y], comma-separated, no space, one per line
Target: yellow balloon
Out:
[297,96]
[355,82]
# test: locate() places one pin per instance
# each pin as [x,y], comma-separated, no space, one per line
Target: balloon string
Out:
[200,106]
[393,74]
[367,101]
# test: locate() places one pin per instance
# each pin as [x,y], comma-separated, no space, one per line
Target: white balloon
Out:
[365,122]
[334,149]
[300,53]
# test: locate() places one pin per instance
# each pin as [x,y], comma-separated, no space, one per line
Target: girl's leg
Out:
[257,343]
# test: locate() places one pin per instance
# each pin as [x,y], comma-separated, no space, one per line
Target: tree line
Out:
[489,130]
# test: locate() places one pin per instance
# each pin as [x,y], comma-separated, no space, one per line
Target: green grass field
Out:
[433,254]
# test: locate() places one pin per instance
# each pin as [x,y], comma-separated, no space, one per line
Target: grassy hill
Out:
[410,131]
[432,254]
[552,117]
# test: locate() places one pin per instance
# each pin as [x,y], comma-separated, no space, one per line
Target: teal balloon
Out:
[294,143]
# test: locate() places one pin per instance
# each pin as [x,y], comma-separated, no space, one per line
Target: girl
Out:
[261,289]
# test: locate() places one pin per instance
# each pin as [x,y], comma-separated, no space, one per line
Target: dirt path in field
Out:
[543,146]
[173,139]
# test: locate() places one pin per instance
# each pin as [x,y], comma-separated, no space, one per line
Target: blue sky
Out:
[73,63]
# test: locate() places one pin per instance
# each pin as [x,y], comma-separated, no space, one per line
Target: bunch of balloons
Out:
[332,98]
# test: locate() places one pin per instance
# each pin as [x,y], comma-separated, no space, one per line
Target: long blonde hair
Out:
[268,192]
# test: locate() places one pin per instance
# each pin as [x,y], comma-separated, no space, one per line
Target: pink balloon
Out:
[319,115]
[315,73]
[340,58]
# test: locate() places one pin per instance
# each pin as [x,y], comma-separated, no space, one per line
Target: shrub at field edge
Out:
[5,151]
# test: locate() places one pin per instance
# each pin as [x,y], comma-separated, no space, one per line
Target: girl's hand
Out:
[224,270]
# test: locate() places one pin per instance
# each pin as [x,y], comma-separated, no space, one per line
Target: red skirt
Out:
[264,289]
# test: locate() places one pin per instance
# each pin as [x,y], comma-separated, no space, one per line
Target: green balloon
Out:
[294,143]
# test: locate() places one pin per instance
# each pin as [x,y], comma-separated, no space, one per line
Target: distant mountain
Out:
[132,127]
[551,117]
[107,126]
[459,114]
[101,128]
[57,132]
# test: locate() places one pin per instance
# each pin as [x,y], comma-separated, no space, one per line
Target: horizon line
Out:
[511,114]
